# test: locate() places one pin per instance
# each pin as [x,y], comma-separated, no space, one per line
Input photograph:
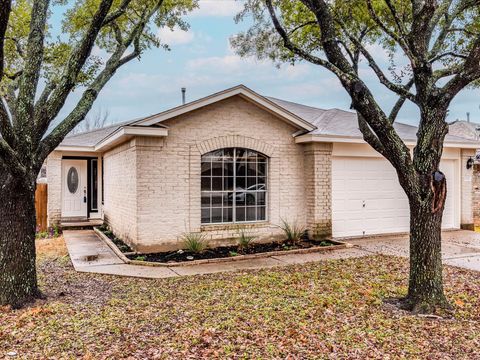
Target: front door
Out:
[74,192]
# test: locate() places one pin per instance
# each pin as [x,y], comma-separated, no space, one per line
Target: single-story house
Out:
[236,159]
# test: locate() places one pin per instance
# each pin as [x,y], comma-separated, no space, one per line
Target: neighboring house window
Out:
[234,186]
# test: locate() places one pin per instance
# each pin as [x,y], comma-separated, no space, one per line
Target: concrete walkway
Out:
[82,244]
[460,248]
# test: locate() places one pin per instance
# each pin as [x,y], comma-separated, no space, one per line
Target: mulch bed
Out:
[124,248]
[227,251]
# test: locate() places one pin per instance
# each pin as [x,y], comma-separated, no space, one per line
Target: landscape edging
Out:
[109,242]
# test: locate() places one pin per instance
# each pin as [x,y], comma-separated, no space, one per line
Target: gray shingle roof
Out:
[91,138]
[465,129]
[329,122]
[337,122]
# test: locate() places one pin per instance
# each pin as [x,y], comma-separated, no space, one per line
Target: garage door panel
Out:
[367,198]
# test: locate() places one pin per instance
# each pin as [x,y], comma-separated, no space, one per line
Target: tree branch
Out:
[5,10]
[9,157]
[49,143]
[403,91]
[117,13]
[31,71]
[6,129]
[470,71]
[368,135]
[449,18]
[297,50]
[398,105]
[74,65]
[396,19]
[387,31]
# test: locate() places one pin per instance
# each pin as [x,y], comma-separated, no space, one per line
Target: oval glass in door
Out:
[72,180]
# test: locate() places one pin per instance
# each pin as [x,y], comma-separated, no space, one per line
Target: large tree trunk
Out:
[18,277]
[425,288]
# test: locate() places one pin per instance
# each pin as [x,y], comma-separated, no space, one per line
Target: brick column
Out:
[54,179]
[318,189]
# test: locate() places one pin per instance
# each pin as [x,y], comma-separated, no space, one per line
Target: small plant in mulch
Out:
[294,233]
[245,240]
[194,242]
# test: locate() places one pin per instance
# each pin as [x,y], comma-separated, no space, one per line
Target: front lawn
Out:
[323,310]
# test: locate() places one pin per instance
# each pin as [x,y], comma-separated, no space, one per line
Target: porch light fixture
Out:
[469,163]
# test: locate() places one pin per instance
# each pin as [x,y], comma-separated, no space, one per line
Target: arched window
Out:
[234,186]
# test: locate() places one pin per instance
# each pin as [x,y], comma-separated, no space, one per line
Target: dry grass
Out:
[52,247]
[327,310]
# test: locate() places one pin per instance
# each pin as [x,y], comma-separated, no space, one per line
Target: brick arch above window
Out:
[230,141]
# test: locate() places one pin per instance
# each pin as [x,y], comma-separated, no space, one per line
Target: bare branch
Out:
[5,9]
[301,26]
[448,53]
[398,105]
[469,72]
[400,90]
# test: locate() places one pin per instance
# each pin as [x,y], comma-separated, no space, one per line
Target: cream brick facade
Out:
[168,173]
[318,185]
[120,194]
[152,185]
[54,176]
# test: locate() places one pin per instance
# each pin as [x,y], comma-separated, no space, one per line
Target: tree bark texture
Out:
[18,277]
[425,287]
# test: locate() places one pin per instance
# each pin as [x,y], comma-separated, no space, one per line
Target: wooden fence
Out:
[41,196]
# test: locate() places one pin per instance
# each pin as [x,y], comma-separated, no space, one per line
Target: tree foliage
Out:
[42,61]
[439,44]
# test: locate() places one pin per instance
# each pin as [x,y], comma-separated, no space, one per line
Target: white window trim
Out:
[266,192]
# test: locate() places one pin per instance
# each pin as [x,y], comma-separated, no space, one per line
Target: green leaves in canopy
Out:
[61,38]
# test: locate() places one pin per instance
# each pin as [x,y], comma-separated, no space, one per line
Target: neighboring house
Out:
[238,159]
[465,129]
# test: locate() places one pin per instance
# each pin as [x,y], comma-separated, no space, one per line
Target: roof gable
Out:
[243,92]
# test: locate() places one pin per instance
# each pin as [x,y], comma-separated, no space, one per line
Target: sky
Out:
[202,60]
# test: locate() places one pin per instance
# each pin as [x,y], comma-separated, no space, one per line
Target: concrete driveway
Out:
[459,247]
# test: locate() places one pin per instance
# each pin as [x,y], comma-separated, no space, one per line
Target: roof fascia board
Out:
[240,90]
[356,140]
[75,148]
[126,132]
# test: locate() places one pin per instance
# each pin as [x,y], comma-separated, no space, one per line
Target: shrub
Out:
[293,232]
[41,235]
[245,239]
[194,242]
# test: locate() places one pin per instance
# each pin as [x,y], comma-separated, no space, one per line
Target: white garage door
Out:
[367,198]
